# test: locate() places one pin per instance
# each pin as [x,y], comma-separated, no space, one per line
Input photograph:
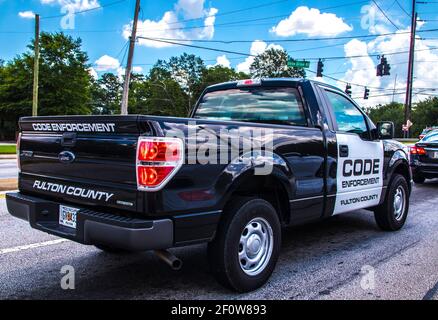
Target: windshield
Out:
[431,137]
[255,104]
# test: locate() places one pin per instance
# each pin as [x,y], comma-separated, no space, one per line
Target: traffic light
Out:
[379,70]
[383,67]
[348,89]
[386,67]
[366,94]
[320,68]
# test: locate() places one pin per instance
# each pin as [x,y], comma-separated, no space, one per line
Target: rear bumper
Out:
[428,170]
[93,227]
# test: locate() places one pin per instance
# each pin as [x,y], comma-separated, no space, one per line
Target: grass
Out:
[7,149]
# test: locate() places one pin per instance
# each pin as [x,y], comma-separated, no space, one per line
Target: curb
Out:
[8,156]
[8,184]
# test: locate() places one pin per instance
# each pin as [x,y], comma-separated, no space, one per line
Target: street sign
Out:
[291,63]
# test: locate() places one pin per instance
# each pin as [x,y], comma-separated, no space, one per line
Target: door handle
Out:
[343,150]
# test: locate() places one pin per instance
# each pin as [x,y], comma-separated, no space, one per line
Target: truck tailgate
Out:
[88,160]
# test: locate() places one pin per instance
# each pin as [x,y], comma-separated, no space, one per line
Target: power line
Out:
[230,12]
[392,64]
[198,47]
[403,9]
[86,10]
[252,55]
[386,16]
[297,40]
[243,21]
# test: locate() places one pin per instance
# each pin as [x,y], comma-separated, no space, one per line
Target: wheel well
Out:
[268,188]
[403,169]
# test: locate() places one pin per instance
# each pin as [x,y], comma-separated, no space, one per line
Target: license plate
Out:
[435,155]
[67,216]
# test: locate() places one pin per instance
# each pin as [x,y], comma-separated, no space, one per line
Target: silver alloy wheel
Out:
[399,203]
[255,246]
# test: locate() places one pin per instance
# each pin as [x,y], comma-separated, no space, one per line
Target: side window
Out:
[348,117]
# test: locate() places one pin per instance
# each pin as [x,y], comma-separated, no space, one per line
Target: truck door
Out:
[360,159]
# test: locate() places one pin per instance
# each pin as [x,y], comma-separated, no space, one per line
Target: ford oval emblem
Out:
[66,157]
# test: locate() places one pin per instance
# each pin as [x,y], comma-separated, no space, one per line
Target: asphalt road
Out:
[345,257]
[8,168]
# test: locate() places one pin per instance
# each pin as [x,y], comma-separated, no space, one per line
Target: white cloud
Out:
[208,31]
[221,61]
[169,26]
[121,73]
[26,14]
[191,9]
[93,73]
[257,47]
[137,69]
[312,22]
[74,5]
[362,70]
[425,76]
[107,63]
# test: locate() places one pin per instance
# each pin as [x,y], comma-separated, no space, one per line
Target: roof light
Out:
[249,82]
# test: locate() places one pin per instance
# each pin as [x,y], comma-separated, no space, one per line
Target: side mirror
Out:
[385,130]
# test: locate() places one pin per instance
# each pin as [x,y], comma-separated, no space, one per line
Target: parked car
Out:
[426,131]
[135,182]
[424,158]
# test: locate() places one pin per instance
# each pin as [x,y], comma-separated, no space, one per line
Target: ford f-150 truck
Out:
[253,157]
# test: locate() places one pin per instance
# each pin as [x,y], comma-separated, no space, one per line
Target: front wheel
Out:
[247,245]
[392,214]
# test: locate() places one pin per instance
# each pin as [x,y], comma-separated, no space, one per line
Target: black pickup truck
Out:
[253,157]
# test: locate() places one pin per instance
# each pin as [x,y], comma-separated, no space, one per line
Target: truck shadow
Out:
[143,276]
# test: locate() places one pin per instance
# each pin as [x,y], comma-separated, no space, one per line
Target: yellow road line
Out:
[2,196]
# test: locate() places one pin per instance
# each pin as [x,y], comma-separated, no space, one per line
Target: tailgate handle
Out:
[68,139]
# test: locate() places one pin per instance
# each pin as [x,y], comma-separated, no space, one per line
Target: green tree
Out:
[64,86]
[272,63]
[424,114]
[393,111]
[107,94]
[186,70]
[218,74]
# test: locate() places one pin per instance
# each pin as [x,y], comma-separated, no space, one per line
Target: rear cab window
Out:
[276,105]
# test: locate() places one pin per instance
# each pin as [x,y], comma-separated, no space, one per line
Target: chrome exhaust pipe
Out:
[169,259]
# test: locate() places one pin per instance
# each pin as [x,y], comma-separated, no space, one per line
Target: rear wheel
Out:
[247,245]
[392,214]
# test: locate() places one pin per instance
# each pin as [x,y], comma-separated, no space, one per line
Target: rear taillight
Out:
[158,160]
[18,152]
[418,150]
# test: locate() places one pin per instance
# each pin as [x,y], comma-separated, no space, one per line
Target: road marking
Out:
[32,246]
[2,195]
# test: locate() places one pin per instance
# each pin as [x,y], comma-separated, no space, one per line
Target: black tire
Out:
[111,250]
[385,214]
[223,251]
[418,178]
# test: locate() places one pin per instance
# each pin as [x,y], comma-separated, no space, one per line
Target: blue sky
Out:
[104,34]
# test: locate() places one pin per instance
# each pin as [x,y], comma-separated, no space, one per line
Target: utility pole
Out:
[36,66]
[408,100]
[124,108]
